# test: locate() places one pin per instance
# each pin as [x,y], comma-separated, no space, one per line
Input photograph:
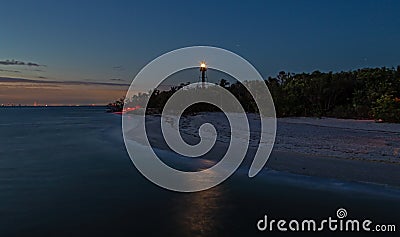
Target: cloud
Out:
[35,70]
[5,70]
[24,80]
[19,63]
[118,68]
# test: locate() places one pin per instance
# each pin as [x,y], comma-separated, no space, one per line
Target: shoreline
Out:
[352,169]
[336,168]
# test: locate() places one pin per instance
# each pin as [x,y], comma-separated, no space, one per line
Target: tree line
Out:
[369,93]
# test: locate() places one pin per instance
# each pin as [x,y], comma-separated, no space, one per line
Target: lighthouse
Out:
[203,69]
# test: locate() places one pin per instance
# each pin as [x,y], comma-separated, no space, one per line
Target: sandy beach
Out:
[349,150]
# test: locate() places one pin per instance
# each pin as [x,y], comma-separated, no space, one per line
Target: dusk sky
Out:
[96,42]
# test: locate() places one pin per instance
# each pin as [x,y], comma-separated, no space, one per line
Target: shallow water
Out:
[64,171]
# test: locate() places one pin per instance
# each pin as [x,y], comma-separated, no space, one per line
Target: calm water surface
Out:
[64,171]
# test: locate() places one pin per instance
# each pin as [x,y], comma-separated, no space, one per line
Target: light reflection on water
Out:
[200,214]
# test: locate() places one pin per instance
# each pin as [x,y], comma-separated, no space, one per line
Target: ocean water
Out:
[64,171]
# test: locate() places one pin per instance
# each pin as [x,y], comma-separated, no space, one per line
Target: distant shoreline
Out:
[44,106]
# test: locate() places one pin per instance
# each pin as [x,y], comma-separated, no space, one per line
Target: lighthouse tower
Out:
[203,70]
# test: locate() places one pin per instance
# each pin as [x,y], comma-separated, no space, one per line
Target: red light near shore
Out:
[125,110]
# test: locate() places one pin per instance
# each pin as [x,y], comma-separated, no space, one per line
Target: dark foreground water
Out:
[65,172]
